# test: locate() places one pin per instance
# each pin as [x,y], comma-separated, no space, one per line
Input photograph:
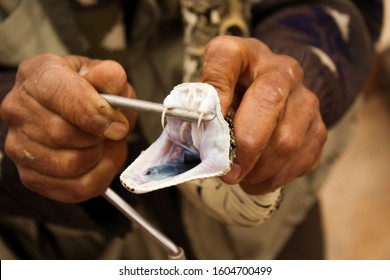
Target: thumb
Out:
[225,60]
[80,103]
[109,77]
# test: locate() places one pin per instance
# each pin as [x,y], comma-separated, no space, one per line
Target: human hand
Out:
[66,141]
[278,128]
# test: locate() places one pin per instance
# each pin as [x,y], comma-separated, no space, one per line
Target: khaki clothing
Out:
[27,17]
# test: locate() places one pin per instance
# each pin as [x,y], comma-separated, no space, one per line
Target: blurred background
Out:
[355,200]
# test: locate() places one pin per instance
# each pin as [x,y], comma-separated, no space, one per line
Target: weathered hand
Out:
[66,141]
[278,127]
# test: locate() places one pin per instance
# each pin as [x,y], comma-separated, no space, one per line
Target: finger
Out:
[57,85]
[256,119]
[53,162]
[304,161]
[224,62]
[43,126]
[288,137]
[263,107]
[82,188]
[231,64]
[109,77]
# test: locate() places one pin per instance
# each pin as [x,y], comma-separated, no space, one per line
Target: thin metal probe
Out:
[121,102]
[173,251]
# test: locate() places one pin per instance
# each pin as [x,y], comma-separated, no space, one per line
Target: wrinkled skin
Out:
[278,127]
[68,143]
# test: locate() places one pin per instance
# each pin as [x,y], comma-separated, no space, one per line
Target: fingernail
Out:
[233,175]
[115,131]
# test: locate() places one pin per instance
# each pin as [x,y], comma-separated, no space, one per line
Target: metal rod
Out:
[121,102]
[174,252]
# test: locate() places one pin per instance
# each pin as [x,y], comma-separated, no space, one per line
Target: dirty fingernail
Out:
[116,131]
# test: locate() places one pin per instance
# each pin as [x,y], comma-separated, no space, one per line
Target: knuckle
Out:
[52,91]
[77,163]
[17,150]
[293,68]
[268,96]
[322,134]
[7,109]
[107,76]
[257,44]
[309,100]
[12,150]
[60,133]
[286,143]
[313,166]
[82,191]
[118,79]
[58,139]
[229,44]
[313,101]
[35,65]
[318,125]
[72,165]
[220,54]
[58,189]
[38,183]
[311,163]
[90,187]
[48,80]
[249,144]
[28,179]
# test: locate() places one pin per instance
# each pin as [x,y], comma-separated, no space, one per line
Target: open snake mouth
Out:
[177,158]
[184,151]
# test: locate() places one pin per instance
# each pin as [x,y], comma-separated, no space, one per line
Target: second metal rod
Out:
[174,252]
